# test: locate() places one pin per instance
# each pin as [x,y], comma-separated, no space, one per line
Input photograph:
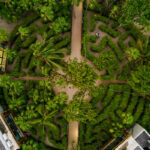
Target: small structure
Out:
[136,139]
[11,137]
[97,35]
[2,59]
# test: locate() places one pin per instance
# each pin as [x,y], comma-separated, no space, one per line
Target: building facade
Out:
[136,139]
[11,137]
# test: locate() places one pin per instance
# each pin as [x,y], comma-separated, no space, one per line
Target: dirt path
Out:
[73,127]
[76,31]
[30,78]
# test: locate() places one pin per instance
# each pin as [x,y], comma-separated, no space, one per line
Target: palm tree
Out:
[49,55]
[43,120]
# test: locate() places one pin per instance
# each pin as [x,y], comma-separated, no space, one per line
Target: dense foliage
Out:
[80,74]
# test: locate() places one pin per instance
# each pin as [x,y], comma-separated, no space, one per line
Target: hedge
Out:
[63,43]
[43,29]
[92,22]
[121,41]
[100,46]
[108,98]
[132,43]
[98,17]
[109,30]
[30,40]
[17,66]
[93,39]
[18,44]
[27,21]
[85,22]
[139,110]
[33,28]
[115,25]
[27,59]
[115,49]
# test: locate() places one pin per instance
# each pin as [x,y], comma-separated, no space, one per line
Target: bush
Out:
[17,67]
[93,39]
[27,21]
[27,59]
[80,74]
[30,40]
[108,97]
[121,41]
[115,25]
[43,29]
[92,23]
[18,44]
[97,94]
[139,110]
[85,22]
[33,28]
[132,43]
[132,104]
[115,49]
[98,17]
[100,46]
[109,30]
[63,43]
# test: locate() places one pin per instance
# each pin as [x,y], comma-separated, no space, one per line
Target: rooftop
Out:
[2,59]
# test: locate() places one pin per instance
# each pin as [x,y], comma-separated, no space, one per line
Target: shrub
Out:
[3,35]
[108,97]
[104,60]
[93,39]
[121,41]
[92,23]
[34,28]
[115,49]
[115,25]
[97,94]
[63,43]
[132,104]
[29,41]
[98,17]
[132,43]
[80,74]
[43,29]
[17,66]
[27,21]
[27,59]
[100,46]
[18,44]
[139,110]
[109,30]
[85,22]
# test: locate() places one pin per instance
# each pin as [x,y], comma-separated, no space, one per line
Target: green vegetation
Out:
[112,80]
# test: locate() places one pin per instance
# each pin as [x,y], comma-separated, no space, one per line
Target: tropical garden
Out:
[47,86]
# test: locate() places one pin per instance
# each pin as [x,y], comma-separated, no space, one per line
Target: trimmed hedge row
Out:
[108,41]
[121,99]
[121,41]
[26,22]
[109,30]
[98,17]
[85,22]
[63,43]
[92,22]
[30,40]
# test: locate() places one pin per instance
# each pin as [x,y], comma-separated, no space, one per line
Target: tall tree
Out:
[131,11]
[79,110]
[50,56]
